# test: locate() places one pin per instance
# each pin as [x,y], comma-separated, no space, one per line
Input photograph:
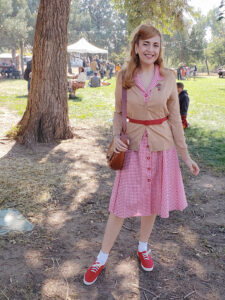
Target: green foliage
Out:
[120,57]
[166,15]
[216,47]
[99,22]
[221,11]
[5,11]
[185,46]
[12,133]
[216,52]
[17,22]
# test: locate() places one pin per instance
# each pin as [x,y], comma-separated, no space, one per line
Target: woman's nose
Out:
[150,47]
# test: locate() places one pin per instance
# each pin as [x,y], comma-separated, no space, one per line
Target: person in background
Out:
[111,68]
[98,61]
[77,82]
[93,65]
[117,68]
[102,70]
[183,73]
[27,74]
[178,73]
[95,80]
[195,71]
[188,72]
[88,70]
[184,103]
[84,62]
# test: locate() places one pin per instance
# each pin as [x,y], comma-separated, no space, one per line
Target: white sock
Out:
[142,246]
[102,257]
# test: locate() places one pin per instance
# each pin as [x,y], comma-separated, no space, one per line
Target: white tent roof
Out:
[83,46]
[6,55]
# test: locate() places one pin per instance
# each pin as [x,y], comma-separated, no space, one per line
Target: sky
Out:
[204,5]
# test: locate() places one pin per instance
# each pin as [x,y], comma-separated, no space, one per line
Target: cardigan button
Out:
[148,157]
[149,169]
[149,180]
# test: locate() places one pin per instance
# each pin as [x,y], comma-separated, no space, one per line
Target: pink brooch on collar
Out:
[159,86]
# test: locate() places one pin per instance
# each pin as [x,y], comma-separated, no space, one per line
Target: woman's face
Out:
[148,50]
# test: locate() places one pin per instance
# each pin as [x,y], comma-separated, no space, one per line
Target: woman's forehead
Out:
[153,39]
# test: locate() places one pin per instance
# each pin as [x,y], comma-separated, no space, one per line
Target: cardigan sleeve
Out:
[117,120]
[174,120]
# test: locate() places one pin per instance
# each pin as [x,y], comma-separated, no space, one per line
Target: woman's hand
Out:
[119,146]
[193,167]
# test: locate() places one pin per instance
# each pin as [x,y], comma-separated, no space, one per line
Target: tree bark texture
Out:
[46,116]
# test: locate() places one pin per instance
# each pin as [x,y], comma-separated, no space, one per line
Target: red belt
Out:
[148,122]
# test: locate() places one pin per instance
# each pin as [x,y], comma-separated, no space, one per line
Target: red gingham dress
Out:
[149,183]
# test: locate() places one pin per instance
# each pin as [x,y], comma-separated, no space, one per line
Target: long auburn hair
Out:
[142,32]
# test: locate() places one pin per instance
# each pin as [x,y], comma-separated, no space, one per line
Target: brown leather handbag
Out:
[116,160]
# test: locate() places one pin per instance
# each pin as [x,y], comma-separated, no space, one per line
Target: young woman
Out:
[150,183]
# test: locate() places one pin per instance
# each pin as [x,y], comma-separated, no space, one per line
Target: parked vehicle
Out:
[221,71]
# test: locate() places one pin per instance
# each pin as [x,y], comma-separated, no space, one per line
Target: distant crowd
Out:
[92,64]
[93,69]
[9,70]
[185,72]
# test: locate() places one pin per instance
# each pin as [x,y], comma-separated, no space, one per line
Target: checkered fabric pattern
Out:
[149,183]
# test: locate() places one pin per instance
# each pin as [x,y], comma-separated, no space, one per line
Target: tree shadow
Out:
[75,99]
[24,96]
[64,189]
[58,200]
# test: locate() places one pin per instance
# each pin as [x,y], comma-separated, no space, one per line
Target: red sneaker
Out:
[92,273]
[147,263]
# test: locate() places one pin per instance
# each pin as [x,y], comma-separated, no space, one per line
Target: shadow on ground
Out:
[64,189]
[75,99]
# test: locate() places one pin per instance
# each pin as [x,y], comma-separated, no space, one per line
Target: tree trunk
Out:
[46,116]
[207,67]
[14,56]
[21,56]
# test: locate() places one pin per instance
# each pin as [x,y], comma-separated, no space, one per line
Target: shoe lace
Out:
[146,254]
[95,267]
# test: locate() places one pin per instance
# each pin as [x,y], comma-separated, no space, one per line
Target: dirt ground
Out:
[64,190]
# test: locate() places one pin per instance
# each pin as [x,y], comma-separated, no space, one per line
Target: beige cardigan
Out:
[162,102]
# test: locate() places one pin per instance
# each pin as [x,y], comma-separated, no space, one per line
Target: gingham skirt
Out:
[149,183]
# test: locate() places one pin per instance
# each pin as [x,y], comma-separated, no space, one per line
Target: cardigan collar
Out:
[146,93]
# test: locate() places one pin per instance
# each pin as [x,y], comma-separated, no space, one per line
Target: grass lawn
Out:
[205,137]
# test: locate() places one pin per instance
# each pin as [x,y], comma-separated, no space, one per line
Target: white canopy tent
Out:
[83,46]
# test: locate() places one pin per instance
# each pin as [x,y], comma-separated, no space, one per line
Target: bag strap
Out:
[124,110]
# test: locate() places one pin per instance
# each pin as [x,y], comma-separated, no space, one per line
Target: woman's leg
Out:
[147,224]
[112,230]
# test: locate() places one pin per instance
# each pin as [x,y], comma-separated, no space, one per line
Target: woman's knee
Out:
[116,218]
